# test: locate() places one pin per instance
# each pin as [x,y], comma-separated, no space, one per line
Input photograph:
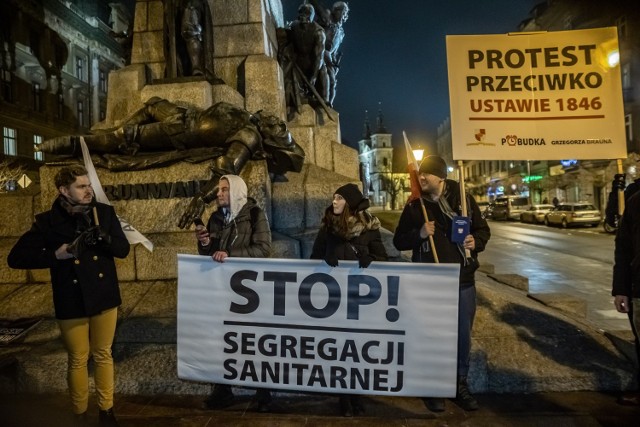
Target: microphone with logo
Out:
[201,232]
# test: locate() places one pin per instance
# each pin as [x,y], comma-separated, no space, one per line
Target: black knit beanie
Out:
[434,165]
[353,196]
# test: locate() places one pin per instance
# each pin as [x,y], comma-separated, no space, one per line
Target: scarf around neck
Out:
[356,224]
[81,213]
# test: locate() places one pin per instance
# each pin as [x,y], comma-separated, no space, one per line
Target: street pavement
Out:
[583,273]
[570,409]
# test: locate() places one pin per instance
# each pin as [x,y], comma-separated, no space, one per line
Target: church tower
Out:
[376,159]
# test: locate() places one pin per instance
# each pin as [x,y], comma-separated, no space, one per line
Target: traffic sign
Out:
[24,181]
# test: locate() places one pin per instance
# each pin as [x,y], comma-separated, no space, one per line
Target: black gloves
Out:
[365,261]
[90,237]
[80,244]
[331,259]
[618,182]
[102,237]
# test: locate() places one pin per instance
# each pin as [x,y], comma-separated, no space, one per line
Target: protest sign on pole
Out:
[131,233]
[389,329]
[536,96]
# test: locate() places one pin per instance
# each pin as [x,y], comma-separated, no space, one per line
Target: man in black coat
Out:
[626,276]
[442,201]
[77,241]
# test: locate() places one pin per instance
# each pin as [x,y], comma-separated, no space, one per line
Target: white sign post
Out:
[536,96]
[389,329]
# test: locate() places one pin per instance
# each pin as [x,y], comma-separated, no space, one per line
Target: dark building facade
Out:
[55,61]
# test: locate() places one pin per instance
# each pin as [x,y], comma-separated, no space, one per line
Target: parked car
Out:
[482,206]
[509,207]
[578,213]
[487,213]
[535,214]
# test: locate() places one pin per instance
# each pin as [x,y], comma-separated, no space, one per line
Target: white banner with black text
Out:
[390,329]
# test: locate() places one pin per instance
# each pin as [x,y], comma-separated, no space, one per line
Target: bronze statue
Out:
[189,38]
[332,21]
[308,39]
[301,53]
[163,133]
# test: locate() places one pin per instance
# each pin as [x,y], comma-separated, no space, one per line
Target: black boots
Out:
[434,404]
[464,398]
[107,418]
[221,396]
[263,400]
[80,420]
[351,405]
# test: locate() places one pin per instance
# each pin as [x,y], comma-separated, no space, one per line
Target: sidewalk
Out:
[582,409]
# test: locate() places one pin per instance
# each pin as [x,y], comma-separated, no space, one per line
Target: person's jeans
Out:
[84,336]
[634,319]
[466,315]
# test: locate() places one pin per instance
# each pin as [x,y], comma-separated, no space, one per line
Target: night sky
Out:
[394,53]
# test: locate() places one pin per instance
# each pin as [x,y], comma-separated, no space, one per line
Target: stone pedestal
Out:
[153,200]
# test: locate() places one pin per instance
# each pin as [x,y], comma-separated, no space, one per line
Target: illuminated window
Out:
[80,67]
[626,75]
[38,155]
[80,113]
[102,81]
[60,106]
[36,102]
[10,139]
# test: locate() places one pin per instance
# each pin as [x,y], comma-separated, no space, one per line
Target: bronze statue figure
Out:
[332,21]
[301,55]
[163,133]
[189,39]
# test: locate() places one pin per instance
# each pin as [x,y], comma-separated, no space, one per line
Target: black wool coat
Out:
[367,243]
[407,234]
[83,286]
[626,269]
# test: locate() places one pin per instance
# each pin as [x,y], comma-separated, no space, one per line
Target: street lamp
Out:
[418,153]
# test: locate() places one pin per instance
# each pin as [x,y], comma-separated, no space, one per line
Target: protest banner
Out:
[390,329]
[536,96]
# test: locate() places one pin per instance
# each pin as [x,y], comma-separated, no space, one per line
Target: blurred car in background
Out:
[578,213]
[487,213]
[535,214]
[482,206]
[509,207]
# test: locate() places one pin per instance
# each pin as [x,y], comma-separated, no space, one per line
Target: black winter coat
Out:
[248,235]
[82,287]
[626,270]
[407,234]
[367,243]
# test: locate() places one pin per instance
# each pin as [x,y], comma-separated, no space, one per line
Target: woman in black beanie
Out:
[349,232]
